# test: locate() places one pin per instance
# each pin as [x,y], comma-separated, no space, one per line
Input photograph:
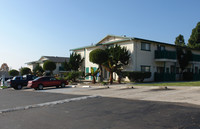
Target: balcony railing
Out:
[195,58]
[165,54]
[61,68]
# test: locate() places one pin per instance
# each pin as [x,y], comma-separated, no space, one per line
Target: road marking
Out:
[47,104]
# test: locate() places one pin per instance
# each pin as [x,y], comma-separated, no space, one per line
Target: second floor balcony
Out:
[195,58]
[165,55]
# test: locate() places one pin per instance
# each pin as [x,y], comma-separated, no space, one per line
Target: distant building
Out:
[58,60]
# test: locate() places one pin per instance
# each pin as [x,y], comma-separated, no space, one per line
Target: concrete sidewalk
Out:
[181,94]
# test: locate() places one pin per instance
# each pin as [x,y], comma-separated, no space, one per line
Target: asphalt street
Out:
[94,113]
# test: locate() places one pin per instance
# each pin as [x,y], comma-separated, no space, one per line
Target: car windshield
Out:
[16,78]
[37,78]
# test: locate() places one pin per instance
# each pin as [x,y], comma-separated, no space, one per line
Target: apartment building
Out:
[146,55]
[57,60]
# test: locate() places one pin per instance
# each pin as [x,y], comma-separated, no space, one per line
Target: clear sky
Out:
[30,29]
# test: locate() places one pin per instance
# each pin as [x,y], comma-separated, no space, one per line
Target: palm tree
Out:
[93,74]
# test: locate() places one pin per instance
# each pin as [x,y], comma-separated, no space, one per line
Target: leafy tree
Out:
[117,58]
[75,61]
[13,72]
[38,70]
[194,40]
[180,41]
[25,70]
[66,66]
[99,56]
[183,57]
[93,74]
[49,66]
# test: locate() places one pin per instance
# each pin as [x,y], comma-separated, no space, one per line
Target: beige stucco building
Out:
[146,55]
[58,60]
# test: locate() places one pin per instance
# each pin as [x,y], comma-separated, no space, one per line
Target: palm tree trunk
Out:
[100,73]
[93,80]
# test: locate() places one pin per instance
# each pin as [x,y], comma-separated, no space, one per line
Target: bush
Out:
[13,72]
[25,71]
[187,76]
[72,76]
[137,76]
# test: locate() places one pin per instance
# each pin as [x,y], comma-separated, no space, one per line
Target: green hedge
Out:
[137,76]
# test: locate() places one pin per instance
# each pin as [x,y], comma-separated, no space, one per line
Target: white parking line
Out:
[47,104]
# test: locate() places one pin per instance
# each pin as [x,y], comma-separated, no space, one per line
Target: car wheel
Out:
[40,87]
[62,85]
[19,87]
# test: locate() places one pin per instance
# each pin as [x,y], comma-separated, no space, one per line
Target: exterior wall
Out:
[56,71]
[89,64]
[31,66]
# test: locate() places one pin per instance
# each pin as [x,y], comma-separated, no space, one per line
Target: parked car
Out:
[19,81]
[6,81]
[41,82]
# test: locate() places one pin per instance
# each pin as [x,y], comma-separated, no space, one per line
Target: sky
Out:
[30,29]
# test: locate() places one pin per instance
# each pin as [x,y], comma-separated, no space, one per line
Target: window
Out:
[146,46]
[145,68]
[160,47]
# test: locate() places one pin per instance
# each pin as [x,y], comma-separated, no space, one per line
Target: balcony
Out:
[195,58]
[61,68]
[165,55]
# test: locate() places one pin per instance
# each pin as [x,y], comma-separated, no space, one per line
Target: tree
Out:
[75,61]
[49,66]
[93,74]
[194,40]
[25,70]
[183,57]
[117,58]
[180,41]
[99,56]
[38,70]
[66,66]
[13,72]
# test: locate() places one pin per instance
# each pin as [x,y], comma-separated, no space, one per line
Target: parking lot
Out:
[180,94]
[87,107]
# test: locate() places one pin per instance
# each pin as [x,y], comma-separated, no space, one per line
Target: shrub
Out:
[187,76]
[25,71]
[49,66]
[137,76]
[72,76]
[13,72]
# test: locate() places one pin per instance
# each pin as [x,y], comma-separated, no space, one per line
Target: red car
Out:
[41,82]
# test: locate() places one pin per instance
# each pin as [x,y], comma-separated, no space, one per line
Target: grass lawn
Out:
[3,87]
[191,83]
